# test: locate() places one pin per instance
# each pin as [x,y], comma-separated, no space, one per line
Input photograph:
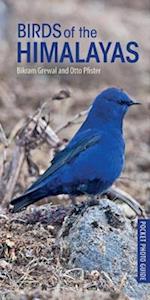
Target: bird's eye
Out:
[121,102]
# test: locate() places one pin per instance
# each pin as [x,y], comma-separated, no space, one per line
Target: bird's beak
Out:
[135,103]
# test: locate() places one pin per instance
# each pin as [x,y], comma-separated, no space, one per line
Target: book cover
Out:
[74,149]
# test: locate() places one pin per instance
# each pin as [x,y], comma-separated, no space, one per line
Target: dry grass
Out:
[30,265]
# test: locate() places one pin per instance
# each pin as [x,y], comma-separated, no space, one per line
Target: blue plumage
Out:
[92,160]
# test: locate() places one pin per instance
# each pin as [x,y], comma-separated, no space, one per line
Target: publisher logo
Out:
[143,258]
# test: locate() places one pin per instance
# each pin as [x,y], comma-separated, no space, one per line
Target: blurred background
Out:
[21,95]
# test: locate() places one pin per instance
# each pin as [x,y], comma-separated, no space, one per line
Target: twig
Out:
[122,282]
[127,178]
[50,136]
[40,126]
[15,130]
[3,138]
[109,280]
[73,120]
[4,142]
[115,193]
[16,164]
[61,95]
[27,138]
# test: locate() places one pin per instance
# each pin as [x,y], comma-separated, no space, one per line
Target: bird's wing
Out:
[65,156]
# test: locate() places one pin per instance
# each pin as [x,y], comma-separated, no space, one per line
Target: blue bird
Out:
[94,157]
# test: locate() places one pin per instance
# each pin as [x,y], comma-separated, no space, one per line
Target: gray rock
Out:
[101,238]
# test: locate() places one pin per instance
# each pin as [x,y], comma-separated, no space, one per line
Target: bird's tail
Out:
[26,199]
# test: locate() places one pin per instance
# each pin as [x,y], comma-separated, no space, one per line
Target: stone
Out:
[100,237]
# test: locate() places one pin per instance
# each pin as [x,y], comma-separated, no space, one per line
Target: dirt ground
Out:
[29,264]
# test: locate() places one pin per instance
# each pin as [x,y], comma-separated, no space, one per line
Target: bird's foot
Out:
[92,201]
[73,200]
[81,207]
